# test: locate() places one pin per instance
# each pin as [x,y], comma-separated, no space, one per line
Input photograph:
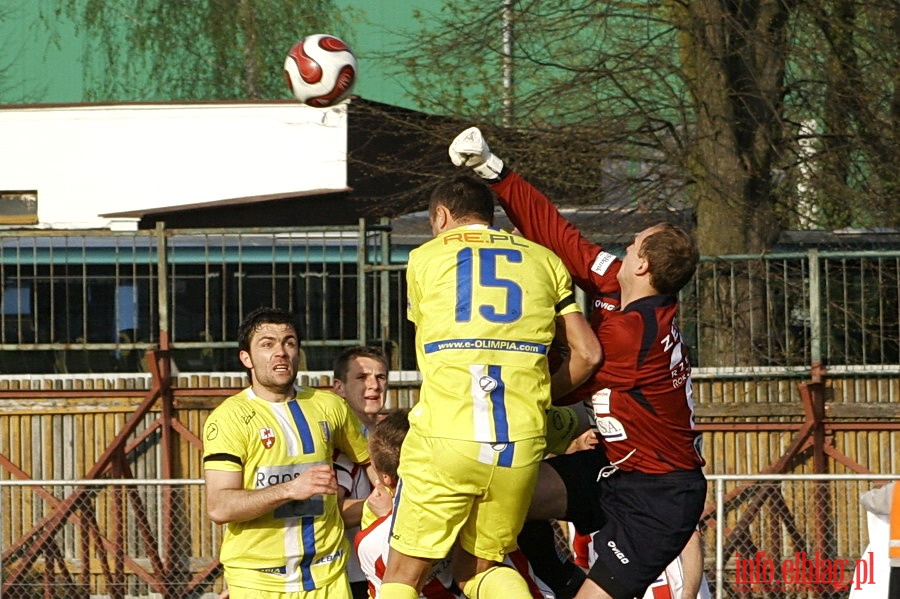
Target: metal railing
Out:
[151,538]
[95,301]
[787,310]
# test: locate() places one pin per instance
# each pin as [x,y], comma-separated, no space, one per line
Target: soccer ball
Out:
[320,70]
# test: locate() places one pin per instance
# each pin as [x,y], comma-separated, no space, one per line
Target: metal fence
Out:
[77,302]
[795,309]
[764,536]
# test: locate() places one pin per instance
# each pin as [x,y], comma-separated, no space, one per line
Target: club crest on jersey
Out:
[267,436]
[326,430]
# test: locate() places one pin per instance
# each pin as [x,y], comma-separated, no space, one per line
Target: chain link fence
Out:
[764,536]
[117,539]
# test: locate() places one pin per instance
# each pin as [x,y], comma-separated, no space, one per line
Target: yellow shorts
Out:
[338,588]
[474,491]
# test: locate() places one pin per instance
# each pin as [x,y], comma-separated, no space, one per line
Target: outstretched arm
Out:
[535,216]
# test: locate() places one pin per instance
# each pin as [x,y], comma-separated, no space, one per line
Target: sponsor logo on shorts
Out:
[617,552]
[277,570]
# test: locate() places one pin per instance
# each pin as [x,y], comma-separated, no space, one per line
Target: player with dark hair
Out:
[267,455]
[486,304]
[644,491]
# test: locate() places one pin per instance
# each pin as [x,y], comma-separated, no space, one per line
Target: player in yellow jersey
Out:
[486,305]
[267,455]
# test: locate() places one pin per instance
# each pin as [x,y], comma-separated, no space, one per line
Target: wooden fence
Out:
[141,427]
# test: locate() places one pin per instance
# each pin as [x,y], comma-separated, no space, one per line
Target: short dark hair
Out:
[342,362]
[260,316]
[385,441]
[673,257]
[464,196]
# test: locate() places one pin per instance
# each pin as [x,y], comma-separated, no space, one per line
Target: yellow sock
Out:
[499,581]
[398,590]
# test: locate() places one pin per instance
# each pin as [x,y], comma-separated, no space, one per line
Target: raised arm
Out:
[535,216]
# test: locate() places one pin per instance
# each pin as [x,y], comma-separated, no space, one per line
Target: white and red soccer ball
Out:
[320,70]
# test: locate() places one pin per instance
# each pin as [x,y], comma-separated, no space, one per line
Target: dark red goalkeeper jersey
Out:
[641,393]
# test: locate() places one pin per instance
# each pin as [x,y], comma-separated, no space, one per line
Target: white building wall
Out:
[88,160]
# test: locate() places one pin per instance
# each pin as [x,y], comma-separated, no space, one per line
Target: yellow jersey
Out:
[484,303]
[301,545]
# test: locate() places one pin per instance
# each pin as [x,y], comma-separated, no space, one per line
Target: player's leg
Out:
[433,500]
[497,580]
[692,566]
[661,507]
[567,489]
[407,575]
[550,497]
[591,590]
[497,517]
[538,542]
[339,588]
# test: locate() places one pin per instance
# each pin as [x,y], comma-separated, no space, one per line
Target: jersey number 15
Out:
[487,277]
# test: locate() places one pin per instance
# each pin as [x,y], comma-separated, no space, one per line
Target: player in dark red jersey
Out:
[643,490]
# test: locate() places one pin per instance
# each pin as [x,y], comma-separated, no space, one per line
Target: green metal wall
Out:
[45,57]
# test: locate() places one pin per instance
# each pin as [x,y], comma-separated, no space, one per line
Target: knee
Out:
[406,569]
[498,581]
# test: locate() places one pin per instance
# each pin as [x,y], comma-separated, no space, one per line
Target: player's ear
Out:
[388,480]
[643,267]
[244,357]
[440,218]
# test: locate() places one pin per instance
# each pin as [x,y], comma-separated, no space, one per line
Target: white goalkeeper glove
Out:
[470,150]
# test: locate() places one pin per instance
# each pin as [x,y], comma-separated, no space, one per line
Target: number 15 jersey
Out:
[484,303]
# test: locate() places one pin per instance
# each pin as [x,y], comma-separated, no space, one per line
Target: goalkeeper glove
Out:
[469,149]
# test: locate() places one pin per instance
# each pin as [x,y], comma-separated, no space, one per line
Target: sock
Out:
[499,581]
[538,542]
[398,590]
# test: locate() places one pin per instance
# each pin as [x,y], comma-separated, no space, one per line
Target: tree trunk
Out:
[734,56]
